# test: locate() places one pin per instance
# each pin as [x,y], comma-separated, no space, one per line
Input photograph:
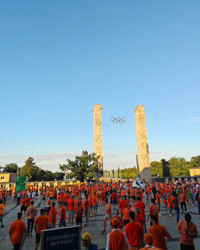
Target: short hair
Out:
[137,210]
[106,200]
[153,201]
[188,217]
[42,210]
[132,215]
[53,204]
[115,226]
[19,215]
[32,202]
[138,198]
[154,218]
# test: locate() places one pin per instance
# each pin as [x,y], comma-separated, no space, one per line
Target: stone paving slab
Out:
[95,227]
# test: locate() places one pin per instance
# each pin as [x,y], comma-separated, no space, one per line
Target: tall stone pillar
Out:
[142,143]
[98,146]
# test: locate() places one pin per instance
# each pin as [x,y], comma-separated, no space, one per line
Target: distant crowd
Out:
[124,205]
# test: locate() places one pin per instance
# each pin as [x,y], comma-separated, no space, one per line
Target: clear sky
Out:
[60,58]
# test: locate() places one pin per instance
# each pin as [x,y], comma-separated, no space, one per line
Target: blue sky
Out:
[60,58]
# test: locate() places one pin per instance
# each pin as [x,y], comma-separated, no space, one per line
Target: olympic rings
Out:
[118,120]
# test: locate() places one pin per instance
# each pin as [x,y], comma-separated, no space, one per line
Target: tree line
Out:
[32,171]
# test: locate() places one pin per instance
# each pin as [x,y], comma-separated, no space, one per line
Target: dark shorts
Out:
[113,201]
[22,208]
[78,220]
[43,198]
[37,238]
[186,247]
[25,208]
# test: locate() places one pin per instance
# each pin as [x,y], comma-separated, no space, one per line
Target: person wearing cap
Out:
[149,242]
[116,239]
[86,242]
[188,231]
[159,233]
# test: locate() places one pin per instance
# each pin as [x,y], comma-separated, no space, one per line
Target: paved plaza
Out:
[95,227]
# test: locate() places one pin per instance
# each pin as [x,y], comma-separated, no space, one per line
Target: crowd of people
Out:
[124,205]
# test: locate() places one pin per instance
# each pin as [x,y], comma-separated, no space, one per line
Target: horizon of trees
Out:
[174,167]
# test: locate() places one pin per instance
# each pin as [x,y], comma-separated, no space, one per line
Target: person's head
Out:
[153,201]
[188,218]
[132,215]
[1,201]
[115,223]
[49,203]
[42,211]
[86,239]
[106,200]
[127,205]
[116,212]
[133,198]
[138,198]
[53,204]
[19,215]
[32,202]
[137,210]
[148,239]
[154,218]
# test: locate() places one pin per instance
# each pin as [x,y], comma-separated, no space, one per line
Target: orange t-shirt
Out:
[2,209]
[186,239]
[182,197]
[86,205]
[123,192]
[17,228]
[154,209]
[70,204]
[41,222]
[133,231]
[62,213]
[159,233]
[53,212]
[126,213]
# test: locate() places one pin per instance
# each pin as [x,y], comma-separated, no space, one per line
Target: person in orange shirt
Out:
[107,215]
[116,216]
[116,239]
[62,215]
[94,205]
[52,216]
[153,210]
[16,231]
[126,212]
[70,205]
[140,204]
[159,233]
[41,223]
[183,201]
[134,233]
[148,238]
[2,207]
[188,231]
[79,212]
[86,209]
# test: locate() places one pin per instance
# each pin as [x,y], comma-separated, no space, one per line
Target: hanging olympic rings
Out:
[116,120]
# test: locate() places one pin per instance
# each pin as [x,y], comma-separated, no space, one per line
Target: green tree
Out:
[156,169]
[84,167]
[11,168]
[179,167]
[195,162]
[31,170]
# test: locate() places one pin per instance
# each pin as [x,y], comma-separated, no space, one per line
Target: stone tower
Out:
[142,143]
[98,146]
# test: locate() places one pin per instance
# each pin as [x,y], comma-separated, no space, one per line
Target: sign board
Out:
[20,183]
[61,238]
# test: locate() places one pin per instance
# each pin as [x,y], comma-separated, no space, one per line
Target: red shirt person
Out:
[134,231]
[52,215]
